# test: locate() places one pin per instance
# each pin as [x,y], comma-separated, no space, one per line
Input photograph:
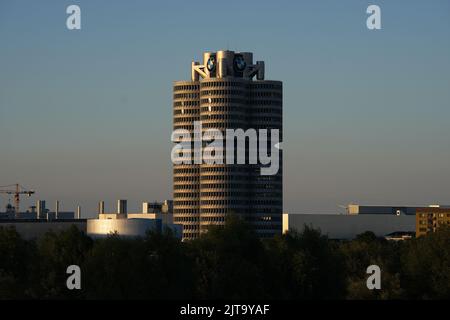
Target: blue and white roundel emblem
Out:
[239,63]
[211,64]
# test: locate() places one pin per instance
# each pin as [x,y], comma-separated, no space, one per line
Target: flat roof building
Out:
[128,227]
[429,219]
[39,211]
[348,226]
[368,209]
[391,222]
[156,216]
[34,228]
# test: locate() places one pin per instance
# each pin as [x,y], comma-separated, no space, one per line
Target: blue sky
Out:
[86,115]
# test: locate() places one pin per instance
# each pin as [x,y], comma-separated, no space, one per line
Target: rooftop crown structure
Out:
[224,64]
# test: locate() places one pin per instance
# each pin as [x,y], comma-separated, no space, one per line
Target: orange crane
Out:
[17,191]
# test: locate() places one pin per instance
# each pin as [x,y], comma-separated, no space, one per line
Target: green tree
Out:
[118,268]
[154,267]
[368,250]
[177,277]
[308,266]
[229,262]
[16,256]
[57,251]
[426,263]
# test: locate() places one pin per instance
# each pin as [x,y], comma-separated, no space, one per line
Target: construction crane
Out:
[17,191]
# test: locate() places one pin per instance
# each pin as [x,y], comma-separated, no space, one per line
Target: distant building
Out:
[101,228]
[390,222]
[162,207]
[38,220]
[430,219]
[399,236]
[366,209]
[156,216]
[150,210]
[348,226]
[33,228]
[156,210]
[39,211]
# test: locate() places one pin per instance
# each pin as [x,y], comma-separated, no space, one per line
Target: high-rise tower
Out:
[224,94]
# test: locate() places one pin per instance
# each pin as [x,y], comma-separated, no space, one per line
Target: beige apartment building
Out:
[430,219]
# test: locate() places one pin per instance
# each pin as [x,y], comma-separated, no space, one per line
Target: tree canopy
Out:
[228,262]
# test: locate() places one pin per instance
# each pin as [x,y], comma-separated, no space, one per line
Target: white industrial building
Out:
[100,228]
[38,220]
[390,222]
[346,226]
[35,222]
[38,212]
[155,217]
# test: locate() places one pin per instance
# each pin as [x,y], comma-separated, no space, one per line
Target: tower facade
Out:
[228,91]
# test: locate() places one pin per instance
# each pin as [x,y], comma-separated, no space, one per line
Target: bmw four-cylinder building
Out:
[227,91]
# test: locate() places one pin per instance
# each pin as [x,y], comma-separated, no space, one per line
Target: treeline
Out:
[226,263]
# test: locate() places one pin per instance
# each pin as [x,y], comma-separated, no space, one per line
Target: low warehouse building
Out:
[100,228]
[154,217]
[35,228]
[348,226]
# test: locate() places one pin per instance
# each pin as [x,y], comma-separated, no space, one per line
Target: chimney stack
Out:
[101,207]
[122,206]
[56,209]
[40,206]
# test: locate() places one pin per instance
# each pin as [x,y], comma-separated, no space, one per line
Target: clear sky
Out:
[86,115]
